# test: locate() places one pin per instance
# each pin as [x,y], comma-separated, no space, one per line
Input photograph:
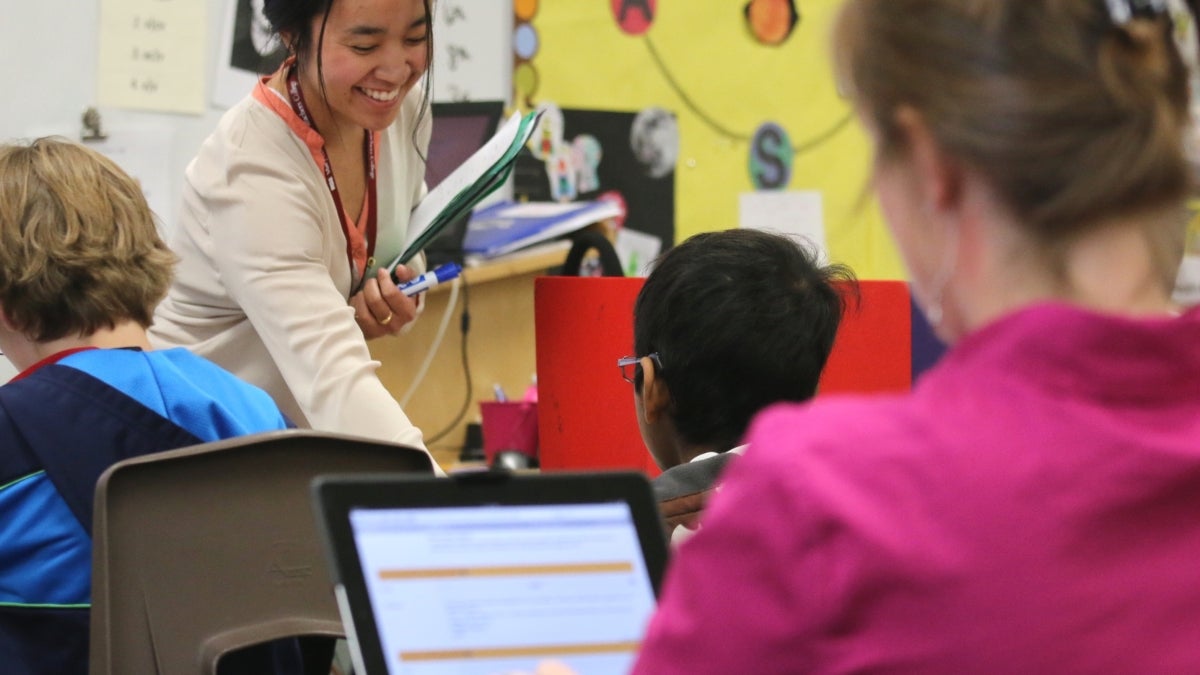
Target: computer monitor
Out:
[459,129]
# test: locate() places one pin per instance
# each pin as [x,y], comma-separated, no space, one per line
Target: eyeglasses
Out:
[629,365]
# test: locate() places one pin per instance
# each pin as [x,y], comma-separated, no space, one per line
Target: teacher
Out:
[304,185]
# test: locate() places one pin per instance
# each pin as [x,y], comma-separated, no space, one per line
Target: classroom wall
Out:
[698,60]
[49,78]
[50,50]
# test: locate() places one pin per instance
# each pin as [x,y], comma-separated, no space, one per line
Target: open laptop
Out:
[459,129]
[491,572]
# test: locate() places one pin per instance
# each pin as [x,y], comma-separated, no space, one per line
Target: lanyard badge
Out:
[301,110]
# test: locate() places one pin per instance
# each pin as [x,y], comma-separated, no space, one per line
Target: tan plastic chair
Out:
[204,550]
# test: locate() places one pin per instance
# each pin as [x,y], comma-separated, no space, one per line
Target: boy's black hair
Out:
[740,319]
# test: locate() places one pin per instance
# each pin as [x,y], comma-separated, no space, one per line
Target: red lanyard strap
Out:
[301,109]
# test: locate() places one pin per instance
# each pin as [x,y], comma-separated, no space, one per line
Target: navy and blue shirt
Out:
[62,423]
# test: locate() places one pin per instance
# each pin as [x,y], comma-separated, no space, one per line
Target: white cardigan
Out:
[263,281]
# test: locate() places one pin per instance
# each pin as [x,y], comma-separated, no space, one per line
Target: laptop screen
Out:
[459,129]
[499,588]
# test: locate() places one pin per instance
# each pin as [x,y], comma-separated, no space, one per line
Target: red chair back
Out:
[586,417]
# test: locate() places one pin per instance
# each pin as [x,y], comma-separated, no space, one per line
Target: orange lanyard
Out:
[298,105]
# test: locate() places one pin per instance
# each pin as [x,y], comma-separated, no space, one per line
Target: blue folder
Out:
[509,226]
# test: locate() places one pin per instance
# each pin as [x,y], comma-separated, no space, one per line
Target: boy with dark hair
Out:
[726,324]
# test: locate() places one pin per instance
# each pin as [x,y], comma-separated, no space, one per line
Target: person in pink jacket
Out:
[1033,505]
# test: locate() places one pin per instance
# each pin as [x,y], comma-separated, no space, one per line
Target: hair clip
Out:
[1124,11]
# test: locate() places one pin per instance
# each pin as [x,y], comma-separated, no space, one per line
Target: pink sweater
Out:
[1033,506]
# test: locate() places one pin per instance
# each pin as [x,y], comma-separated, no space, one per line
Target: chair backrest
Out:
[585,410]
[204,550]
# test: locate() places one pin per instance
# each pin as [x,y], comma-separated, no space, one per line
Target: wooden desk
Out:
[500,346]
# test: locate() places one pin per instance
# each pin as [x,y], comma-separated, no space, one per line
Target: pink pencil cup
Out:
[509,425]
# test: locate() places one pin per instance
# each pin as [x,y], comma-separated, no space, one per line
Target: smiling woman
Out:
[367,57]
[1029,506]
[288,204]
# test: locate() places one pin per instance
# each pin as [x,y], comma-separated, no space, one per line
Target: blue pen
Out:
[440,275]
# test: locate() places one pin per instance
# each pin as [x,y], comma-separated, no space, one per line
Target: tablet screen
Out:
[498,588]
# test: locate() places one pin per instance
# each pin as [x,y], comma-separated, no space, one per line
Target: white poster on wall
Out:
[637,251]
[152,55]
[799,213]
[472,42]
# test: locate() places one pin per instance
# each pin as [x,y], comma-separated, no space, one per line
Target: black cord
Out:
[722,130]
[464,327]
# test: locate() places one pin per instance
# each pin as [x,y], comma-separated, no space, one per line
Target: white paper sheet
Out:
[637,250]
[796,212]
[472,44]
[1187,285]
[152,55]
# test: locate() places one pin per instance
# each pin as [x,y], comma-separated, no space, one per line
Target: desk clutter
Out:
[509,226]
[510,433]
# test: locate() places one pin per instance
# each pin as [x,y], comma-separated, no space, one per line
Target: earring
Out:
[933,308]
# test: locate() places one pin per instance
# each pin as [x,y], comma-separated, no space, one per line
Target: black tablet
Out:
[492,572]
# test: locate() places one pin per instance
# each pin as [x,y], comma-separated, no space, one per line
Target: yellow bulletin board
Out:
[700,60]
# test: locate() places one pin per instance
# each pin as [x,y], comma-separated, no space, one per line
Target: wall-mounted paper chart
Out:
[152,54]
[473,50]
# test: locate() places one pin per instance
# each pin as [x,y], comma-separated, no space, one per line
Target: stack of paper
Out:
[508,226]
[467,185]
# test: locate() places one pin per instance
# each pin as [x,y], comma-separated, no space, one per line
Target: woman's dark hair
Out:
[290,19]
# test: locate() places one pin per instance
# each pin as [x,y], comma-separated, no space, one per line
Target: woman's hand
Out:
[380,308]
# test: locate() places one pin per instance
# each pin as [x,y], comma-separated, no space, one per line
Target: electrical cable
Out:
[437,343]
[465,326]
[722,130]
